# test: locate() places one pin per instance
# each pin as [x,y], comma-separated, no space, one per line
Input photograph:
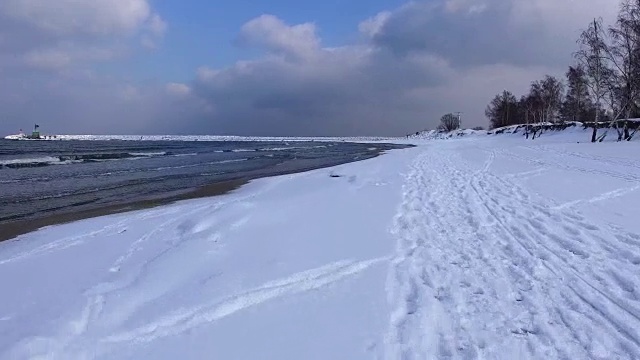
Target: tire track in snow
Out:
[125,292]
[546,162]
[441,280]
[73,342]
[626,162]
[484,268]
[527,174]
[602,197]
[576,253]
[186,319]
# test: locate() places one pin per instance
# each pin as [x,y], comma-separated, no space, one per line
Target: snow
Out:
[15,137]
[489,247]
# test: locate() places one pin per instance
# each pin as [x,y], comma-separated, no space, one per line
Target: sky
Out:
[282,67]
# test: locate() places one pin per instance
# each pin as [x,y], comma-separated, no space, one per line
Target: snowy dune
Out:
[488,247]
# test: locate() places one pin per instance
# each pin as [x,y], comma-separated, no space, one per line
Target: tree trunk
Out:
[526,125]
[618,131]
[594,135]
[633,133]
[626,129]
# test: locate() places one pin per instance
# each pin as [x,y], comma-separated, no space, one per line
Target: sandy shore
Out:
[13,229]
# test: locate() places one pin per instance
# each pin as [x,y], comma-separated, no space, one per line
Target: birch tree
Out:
[592,57]
[577,105]
[552,90]
[623,54]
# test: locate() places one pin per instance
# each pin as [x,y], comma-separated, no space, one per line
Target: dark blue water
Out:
[39,178]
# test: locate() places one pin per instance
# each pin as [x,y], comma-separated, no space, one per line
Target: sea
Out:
[43,178]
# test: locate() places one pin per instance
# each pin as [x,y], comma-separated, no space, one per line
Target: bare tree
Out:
[449,122]
[576,105]
[537,103]
[592,57]
[624,55]
[551,96]
[526,106]
[617,107]
[503,110]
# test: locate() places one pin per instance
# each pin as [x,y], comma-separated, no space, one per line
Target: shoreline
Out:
[13,229]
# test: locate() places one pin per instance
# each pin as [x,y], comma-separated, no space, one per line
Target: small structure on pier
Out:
[36,133]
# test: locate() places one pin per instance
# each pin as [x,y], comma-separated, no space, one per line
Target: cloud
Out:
[410,65]
[333,91]
[205,73]
[57,34]
[156,25]
[48,59]
[65,55]
[372,26]
[414,63]
[469,33]
[297,41]
[75,103]
[178,89]
[156,29]
[48,50]
[62,17]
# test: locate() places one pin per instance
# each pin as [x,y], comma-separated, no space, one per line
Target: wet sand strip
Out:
[13,229]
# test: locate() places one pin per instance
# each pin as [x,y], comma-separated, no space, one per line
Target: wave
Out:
[284,148]
[110,156]
[164,168]
[148,154]
[76,158]
[229,161]
[29,162]
[293,148]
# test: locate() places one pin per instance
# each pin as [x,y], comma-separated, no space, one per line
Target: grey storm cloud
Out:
[410,65]
[472,33]
[466,39]
[352,90]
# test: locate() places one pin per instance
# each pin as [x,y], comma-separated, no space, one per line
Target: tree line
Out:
[601,89]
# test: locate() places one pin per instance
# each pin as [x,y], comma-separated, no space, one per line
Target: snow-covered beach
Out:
[490,247]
